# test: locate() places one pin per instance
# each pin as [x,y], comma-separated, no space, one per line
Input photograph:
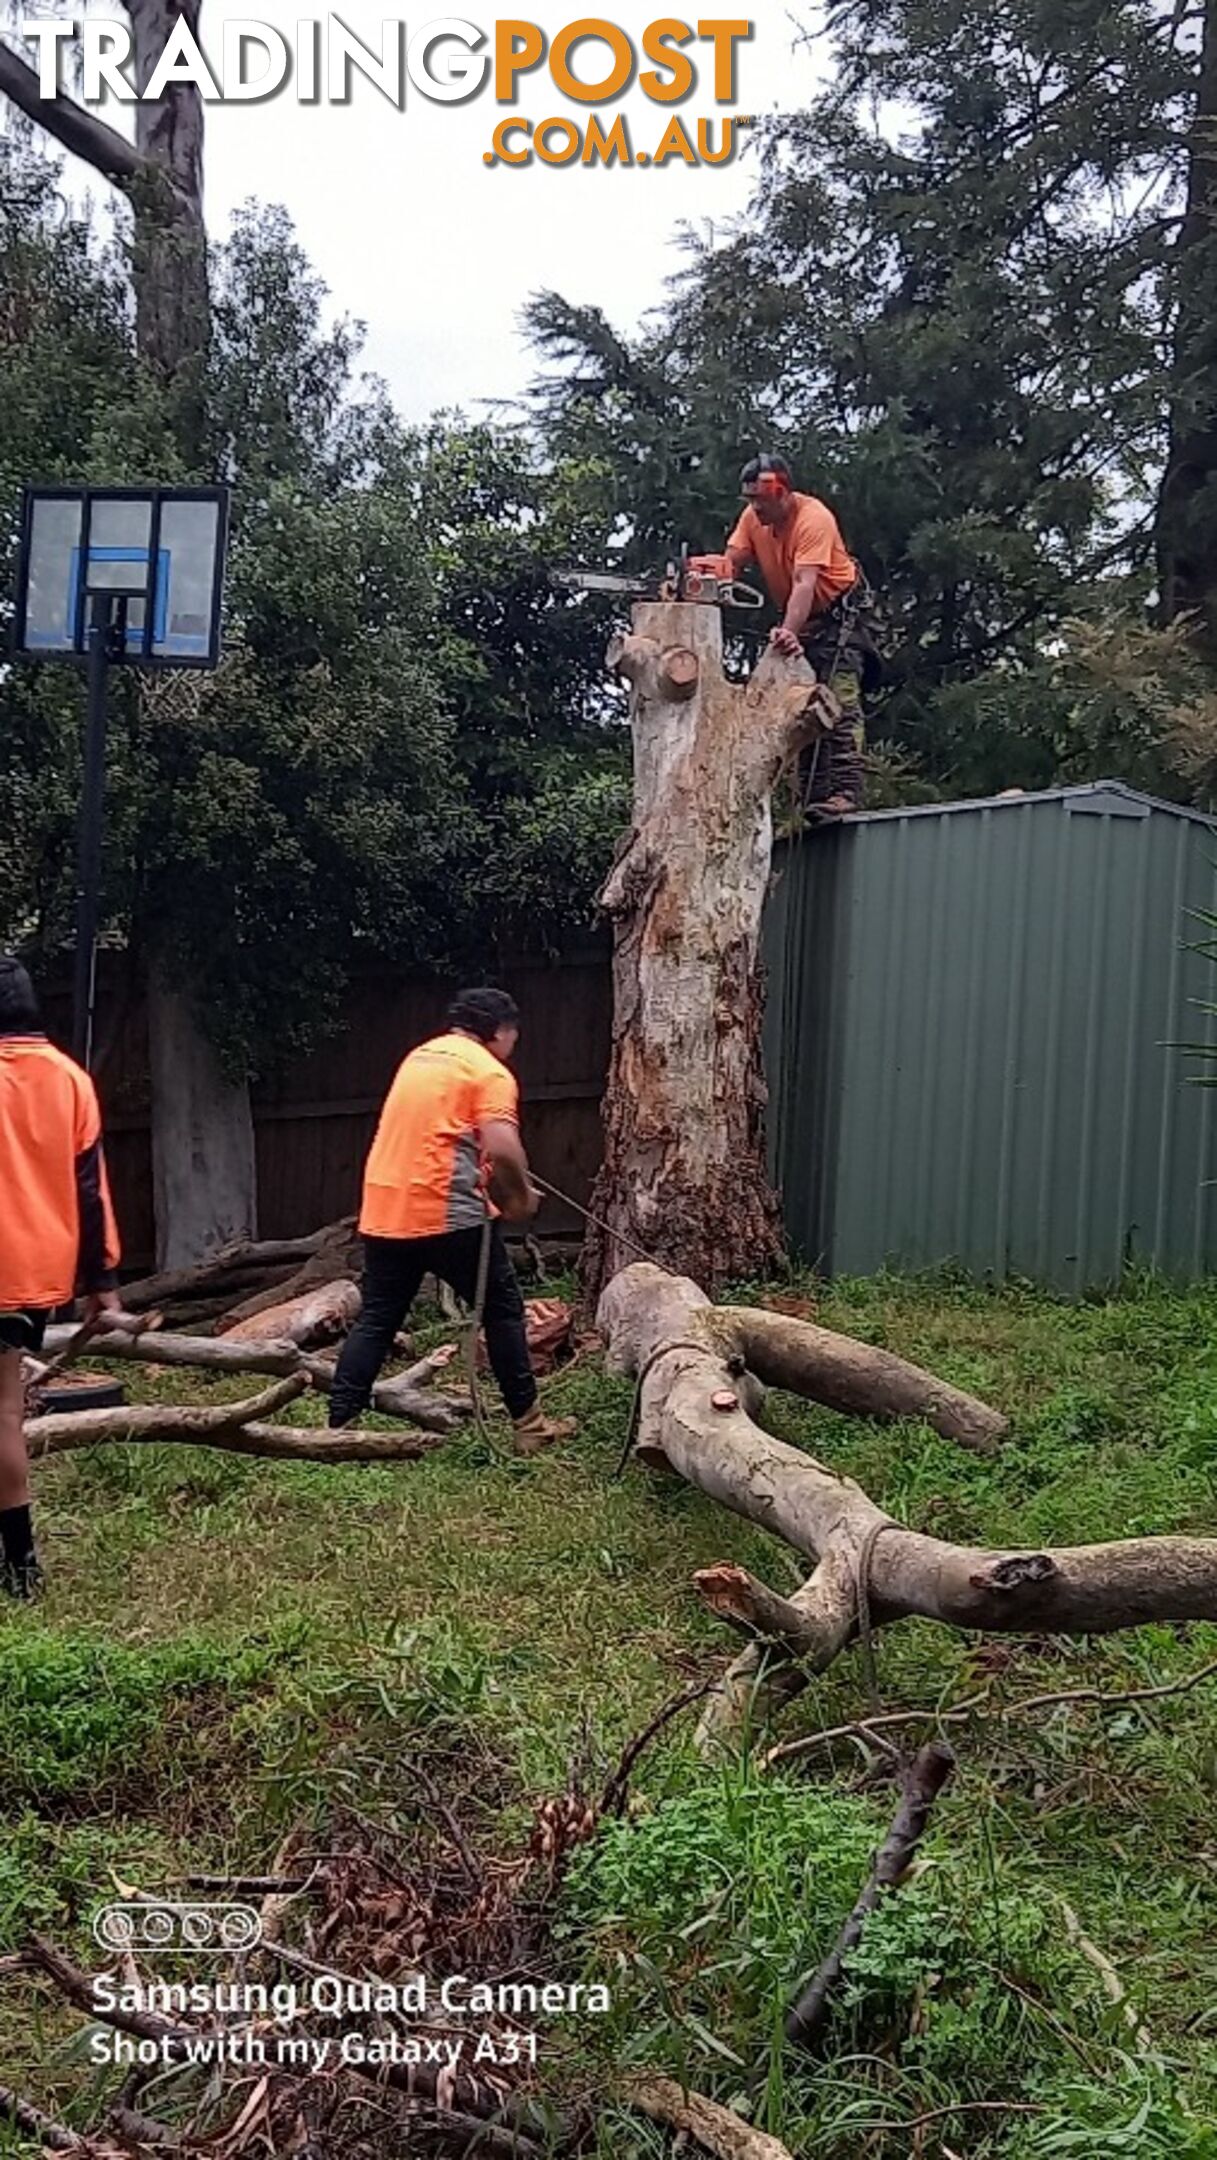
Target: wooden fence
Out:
[313,1123]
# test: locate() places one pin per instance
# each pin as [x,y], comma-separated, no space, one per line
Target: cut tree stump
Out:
[865,1563]
[684,1174]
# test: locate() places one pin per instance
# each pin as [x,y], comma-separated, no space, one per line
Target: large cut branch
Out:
[855,1376]
[693,1418]
[239,1259]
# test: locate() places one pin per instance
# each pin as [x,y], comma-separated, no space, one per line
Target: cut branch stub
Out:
[678,672]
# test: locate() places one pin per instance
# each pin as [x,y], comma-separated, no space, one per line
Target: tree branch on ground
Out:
[868,1569]
[923,1781]
[716,2129]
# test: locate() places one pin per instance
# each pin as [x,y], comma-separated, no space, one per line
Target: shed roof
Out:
[1110,795]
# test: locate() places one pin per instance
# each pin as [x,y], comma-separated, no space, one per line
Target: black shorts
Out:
[23,1329]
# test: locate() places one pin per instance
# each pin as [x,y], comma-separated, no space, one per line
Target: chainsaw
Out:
[704,578]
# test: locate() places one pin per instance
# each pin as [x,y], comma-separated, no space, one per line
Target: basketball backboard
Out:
[157,553]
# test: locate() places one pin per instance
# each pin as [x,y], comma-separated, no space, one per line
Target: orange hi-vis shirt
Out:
[57,1229]
[426,1173]
[809,539]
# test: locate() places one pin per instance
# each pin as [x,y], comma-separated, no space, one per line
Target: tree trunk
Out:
[169,251]
[1186,534]
[204,1179]
[684,1171]
[203,1171]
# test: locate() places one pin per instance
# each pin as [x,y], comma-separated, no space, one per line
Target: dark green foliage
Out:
[949,307]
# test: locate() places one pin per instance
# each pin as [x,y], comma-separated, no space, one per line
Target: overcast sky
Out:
[436,252]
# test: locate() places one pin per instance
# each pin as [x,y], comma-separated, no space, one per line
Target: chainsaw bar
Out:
[673,584]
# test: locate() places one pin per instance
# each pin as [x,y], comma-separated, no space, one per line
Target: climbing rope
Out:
[862,1590]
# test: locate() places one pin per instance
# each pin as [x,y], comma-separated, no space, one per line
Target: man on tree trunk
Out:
[449,1130]
[823,599]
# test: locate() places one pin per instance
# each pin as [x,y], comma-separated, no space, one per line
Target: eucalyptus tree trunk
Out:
[684,1173]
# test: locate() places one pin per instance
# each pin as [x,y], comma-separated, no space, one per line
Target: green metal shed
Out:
[968,1038]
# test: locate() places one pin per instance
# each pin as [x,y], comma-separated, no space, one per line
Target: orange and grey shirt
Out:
[809,539]
[57,1229]
[426,1172]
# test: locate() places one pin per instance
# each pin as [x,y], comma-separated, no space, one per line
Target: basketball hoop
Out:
[116,577]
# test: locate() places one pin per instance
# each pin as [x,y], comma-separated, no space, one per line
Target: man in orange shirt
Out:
[449,1129]
[821,594]
[57,1233]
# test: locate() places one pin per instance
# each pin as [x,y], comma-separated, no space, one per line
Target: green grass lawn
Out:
[228,1647]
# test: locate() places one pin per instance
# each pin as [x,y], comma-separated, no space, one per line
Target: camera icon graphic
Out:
[132,1924]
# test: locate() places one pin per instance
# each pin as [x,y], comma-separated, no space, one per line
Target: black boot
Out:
[20,1575]
[22,1579]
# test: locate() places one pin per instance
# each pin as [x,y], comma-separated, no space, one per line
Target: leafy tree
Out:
[949,306]
[405,748]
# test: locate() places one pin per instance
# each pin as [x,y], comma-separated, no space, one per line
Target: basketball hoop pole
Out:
[88,857]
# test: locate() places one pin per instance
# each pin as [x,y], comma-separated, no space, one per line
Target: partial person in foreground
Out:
[449,1139]
[57,1234]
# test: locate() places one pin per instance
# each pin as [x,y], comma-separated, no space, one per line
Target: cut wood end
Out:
[678,671]
[724,1399]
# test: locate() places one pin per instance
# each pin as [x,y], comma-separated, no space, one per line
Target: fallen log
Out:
[869,1570]
[336,1258]
[237,1428]
[207,1353]
[242,1257]
[320,1315]
[922,1783]
[409,1395]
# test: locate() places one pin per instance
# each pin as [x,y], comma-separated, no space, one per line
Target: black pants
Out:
[23,1328]
[393,1268]
[833,764]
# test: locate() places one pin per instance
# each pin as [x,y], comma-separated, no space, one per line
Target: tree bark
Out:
[410,1395]
[1186,525]
[169,257]
[863,1558]
[204,1176]
[238,1428]
[684,1174]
